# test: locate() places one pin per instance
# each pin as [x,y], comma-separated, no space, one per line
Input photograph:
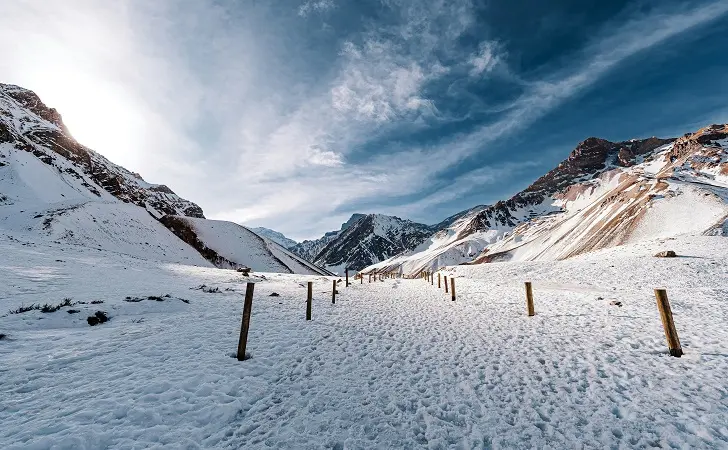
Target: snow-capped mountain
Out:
[309,249]
[604,194]
[28,125]
[363,240]
[55,191]
[275,236]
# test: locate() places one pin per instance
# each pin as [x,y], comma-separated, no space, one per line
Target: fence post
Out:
[438,280]
[247,307]
[370,277]
[333,293]
[309,300]
[361,278]
[432,279]
[452,288]
[347,277]
[446,284]
[673,342]
[529,299]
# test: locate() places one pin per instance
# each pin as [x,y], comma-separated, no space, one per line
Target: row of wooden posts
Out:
[663,305]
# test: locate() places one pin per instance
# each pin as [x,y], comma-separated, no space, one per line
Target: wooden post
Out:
[432,279]
[361,278]
[446,284]
[673,342]
[452,288]
[333,293]
[247,307]
[438,281]
[309,300]
[370,277]
[347,277]
[529,299]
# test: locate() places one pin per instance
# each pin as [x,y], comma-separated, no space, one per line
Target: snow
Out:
[688,210]
[238,244]
[392,364]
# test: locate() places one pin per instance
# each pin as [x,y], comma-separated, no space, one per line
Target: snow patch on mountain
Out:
[274,236]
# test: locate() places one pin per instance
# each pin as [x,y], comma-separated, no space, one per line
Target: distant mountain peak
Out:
[352,220]
[275,236]
[364,239]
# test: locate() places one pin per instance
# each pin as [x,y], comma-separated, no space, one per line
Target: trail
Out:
[393,364]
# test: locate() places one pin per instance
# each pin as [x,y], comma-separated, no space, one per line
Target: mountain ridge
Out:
[601,195]
[54,189]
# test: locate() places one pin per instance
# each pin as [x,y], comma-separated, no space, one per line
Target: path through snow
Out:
[393,364]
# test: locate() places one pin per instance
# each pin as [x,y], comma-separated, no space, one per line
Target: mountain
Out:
[363,240]
[229,245]
[604,194]
[55,191]
[309,249]
[275,236]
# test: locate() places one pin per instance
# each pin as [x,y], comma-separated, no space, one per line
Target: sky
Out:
[295,114]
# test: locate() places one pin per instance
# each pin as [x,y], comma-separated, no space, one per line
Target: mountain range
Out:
[603,194]
[55,190]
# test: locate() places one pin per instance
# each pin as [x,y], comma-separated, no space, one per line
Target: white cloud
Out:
[315,6]
[485,59]
[215,108]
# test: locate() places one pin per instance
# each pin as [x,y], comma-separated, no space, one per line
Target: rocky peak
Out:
[31,126]
[352,220]
[30,100]
[589,159]
[692,142]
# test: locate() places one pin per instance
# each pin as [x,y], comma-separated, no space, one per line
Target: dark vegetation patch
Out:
[3,336]
[207,289]
[73,311]
[156,298]
[275,294]
[45,308]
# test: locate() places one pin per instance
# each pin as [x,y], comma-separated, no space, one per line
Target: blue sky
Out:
[295,114]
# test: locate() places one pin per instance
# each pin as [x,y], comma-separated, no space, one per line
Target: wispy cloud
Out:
[485,59]
[597,58]
[230,111]
[310,6]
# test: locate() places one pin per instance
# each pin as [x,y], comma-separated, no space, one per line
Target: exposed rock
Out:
[587,160]
[98,318]
[666,254]
[625,157]
[44,134]
[184,231]
[370,239]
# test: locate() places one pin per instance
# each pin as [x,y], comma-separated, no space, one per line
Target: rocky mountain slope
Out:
[55,190]
[604,194]
[363,240]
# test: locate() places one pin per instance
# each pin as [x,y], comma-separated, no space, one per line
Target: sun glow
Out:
[97,114]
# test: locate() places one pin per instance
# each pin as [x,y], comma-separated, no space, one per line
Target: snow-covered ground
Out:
[392,364]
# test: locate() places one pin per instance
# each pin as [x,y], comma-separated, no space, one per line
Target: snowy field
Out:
[392,364]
